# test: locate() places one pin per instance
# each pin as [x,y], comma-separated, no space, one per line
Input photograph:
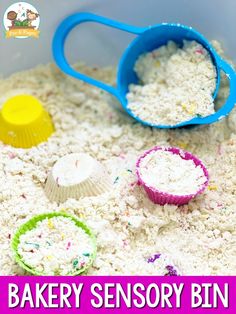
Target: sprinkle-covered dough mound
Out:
[56,246]
[176,84]
[170,173]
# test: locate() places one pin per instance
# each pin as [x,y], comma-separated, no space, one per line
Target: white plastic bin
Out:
[98,45]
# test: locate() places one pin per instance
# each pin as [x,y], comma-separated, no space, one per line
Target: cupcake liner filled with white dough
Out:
[170,173]
[56,246]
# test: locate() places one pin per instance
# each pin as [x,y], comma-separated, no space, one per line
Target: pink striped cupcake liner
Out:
[162,198]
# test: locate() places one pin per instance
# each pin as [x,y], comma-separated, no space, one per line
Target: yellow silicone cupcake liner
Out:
[24,122]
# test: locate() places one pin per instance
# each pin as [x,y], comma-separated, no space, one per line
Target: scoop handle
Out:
[64,29]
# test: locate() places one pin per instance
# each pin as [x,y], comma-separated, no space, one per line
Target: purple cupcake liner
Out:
[162,198]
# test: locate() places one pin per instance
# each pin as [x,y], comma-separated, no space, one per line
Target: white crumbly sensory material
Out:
[170,173]
[176,84]
[56,246]
[199,238]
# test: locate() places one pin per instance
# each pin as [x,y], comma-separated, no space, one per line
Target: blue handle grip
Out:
[64,29]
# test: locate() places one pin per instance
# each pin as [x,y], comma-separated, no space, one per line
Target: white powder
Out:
[176,84]
[170,173]
[199,238]
[56,246]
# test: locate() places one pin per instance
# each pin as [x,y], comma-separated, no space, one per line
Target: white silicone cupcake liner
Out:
[97,182]
[162,198]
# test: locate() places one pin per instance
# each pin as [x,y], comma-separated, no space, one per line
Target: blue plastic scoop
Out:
[148,39]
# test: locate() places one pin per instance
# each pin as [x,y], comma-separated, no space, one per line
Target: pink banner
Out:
[88,295]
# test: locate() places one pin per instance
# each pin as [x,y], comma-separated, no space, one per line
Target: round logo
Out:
[21,20]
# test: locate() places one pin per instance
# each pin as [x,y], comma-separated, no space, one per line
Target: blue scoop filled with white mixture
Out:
[148,39]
